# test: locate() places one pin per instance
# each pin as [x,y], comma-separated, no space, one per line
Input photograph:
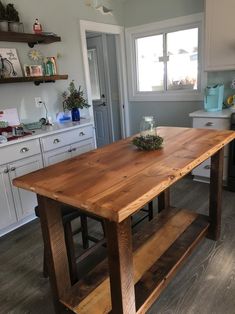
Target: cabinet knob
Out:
[13,168]
[56,141]
[74,149]
[209,124]
[6,170]
[82,134]
[24,150]
[70,151]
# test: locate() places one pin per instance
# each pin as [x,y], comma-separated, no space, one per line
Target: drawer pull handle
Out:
[82,134]
[56,141]
[6,170]
[13,168]
[70,151]
[24,150]
[74,149]
[209,124]
[208,167]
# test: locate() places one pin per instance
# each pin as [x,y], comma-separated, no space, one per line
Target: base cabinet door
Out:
[25,201]
[7,208]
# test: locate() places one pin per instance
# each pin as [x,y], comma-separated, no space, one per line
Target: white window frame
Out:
[181,23]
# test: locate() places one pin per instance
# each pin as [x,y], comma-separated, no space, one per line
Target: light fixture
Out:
[99,6]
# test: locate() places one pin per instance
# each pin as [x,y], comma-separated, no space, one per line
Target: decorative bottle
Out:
[37,27]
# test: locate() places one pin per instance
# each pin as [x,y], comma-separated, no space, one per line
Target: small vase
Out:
[75,114]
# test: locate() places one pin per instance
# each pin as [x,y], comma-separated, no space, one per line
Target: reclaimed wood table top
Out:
[117,180]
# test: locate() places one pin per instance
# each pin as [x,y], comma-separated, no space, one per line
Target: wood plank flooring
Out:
[205,285]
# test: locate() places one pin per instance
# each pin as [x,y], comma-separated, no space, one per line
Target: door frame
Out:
[89,26]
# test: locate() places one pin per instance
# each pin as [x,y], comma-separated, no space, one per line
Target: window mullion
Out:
[165,59]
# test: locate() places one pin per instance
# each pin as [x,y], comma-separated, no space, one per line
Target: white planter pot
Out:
[16,27]
[4,26]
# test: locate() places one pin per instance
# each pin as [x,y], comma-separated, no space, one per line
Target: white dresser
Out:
[46,146]
[211,120]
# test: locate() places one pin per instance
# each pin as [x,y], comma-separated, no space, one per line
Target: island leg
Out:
[119,240]
[55,248]
[215,199]
[164,200]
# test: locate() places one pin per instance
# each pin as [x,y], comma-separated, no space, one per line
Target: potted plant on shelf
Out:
[3,19]
[12,16]
[74,100]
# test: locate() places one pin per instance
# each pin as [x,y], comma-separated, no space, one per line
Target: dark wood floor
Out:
[205,285]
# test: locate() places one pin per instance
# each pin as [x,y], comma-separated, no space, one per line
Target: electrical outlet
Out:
[38,102]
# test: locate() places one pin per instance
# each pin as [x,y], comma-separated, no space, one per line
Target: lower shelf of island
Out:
[160,247]
[36,79]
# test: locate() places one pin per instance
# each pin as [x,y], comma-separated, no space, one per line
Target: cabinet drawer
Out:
[19,151]
[211,123]
[66,138]
[203,170]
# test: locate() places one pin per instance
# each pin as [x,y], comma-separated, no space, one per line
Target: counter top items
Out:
[37,27]
[214,96]
[125,180]
[3,139]
[148,142]
[74,100]
[9,116]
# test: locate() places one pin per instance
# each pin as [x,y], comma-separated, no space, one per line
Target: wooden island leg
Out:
[119,240]
[164,200]
[216,182]
[55,248]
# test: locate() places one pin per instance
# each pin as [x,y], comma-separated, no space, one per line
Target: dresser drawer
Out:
[19,151]
[211,123]
[66,138]
[203,170]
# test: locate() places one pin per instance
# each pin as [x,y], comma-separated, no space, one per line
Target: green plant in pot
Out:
[3,19]
[74,100]
[13,18]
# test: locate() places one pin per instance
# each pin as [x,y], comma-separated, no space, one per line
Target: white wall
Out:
[61,17]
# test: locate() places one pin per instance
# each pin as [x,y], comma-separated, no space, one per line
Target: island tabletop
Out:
[115,182]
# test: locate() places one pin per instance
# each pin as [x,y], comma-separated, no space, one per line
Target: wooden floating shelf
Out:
[31,39]
[178,232]
[36,79]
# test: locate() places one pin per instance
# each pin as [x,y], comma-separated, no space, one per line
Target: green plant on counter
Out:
[74,98]
[148,142]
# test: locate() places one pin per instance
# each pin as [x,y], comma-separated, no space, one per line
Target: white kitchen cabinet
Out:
[211,120]
[82,147]
[25,201]
[7,208]
[219,35]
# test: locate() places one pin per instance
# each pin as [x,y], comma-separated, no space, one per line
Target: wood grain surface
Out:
[117,180]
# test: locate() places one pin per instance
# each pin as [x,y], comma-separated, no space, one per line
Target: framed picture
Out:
[27,70]
[33,70]
[36,70]
[9,63]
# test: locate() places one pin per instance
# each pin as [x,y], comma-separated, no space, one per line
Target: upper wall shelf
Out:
[37,80]
[31,39]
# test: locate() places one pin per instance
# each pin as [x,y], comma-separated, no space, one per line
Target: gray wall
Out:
[61,17]
[137,12]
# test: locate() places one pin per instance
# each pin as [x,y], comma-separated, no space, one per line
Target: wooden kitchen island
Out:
[114,182]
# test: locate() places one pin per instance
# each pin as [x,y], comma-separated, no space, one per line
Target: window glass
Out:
[94,75]
[150,68]
[182,65]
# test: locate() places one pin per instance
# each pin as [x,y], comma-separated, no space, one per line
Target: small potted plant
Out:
[74,100]
[3,19]
[13,18]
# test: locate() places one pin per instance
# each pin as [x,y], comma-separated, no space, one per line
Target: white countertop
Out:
[49,130]
[226,113]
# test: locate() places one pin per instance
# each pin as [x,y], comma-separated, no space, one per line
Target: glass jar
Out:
[148,126]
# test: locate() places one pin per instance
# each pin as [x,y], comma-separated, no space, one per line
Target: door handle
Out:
[103,104]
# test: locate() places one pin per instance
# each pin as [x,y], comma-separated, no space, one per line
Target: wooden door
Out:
[7,207]
[25,201]
[101,106]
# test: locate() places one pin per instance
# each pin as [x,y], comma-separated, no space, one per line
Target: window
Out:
[94,75]
[165,60]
